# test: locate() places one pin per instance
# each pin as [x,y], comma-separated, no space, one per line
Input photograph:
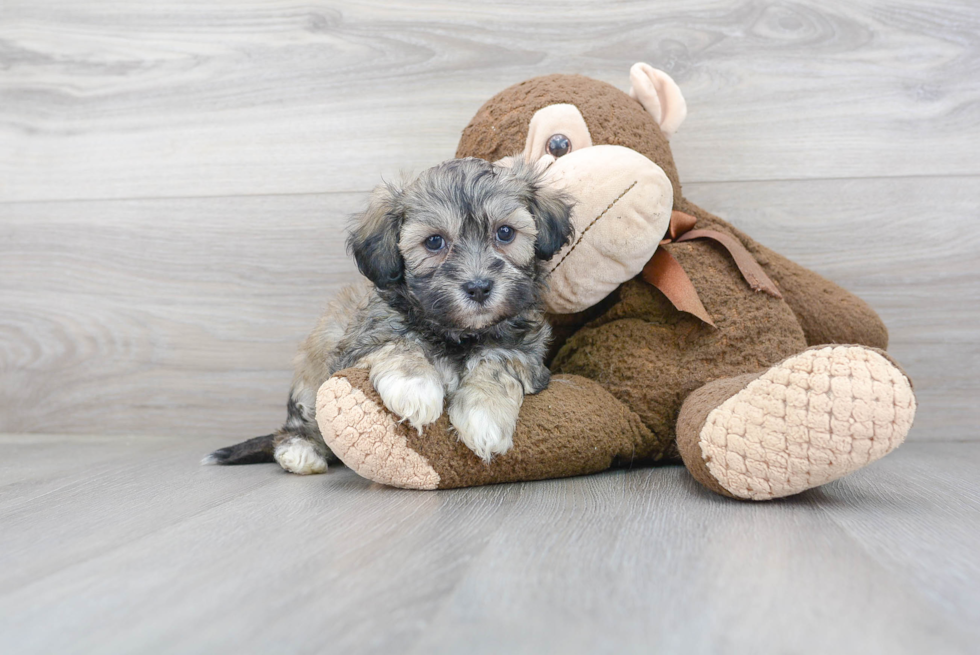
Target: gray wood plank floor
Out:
[123,545]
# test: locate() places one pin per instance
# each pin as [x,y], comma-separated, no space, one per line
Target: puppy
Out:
[451,312]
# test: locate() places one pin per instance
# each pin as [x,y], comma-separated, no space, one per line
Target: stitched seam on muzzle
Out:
[589,226]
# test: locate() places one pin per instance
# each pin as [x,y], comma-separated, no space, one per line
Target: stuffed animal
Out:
[677,337]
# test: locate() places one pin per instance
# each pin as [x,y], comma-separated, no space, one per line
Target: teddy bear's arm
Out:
[826,312]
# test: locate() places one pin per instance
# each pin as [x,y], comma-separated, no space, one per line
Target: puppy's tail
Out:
[254,451]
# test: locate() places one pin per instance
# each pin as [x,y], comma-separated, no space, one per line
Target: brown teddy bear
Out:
[678,337]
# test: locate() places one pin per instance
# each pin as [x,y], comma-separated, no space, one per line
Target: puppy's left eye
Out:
[505,234]
[435,243]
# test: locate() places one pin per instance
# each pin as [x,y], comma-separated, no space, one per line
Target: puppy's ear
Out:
[552,211]
[550,207]
[373,238]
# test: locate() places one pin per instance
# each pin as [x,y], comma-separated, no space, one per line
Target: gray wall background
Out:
[175,176]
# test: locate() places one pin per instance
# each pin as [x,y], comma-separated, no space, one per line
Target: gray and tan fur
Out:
[451,310]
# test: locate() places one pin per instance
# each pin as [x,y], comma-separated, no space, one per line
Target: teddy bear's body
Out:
[641,348]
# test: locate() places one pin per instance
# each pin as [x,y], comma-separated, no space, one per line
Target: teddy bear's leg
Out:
[806,421]
[573,427]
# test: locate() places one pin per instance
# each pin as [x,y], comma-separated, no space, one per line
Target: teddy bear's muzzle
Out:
[622,210]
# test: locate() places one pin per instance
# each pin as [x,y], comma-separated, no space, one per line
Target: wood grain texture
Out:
[231,140]
[182,315]
[102,99]
[144,550]
[155,316]
[914,486]
[174,180]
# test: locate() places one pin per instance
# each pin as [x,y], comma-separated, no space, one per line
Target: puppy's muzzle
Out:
[478,290]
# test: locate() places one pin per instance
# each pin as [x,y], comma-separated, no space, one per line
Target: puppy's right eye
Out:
[435,243]
[505,234]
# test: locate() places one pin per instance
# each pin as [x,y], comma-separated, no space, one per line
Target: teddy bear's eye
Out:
[559,145]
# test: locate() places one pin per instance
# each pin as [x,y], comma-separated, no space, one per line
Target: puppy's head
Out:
[463,243]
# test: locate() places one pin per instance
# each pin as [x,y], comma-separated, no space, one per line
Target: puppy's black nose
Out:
[478,290]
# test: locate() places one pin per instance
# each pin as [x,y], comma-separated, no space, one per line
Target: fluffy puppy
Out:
[452,310]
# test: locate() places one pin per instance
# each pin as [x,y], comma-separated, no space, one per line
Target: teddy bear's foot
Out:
[367,437]
[808,420]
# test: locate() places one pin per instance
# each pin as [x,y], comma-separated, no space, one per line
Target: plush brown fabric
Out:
[574,427]
[645,352]
[651,356]
[499,128]
[826,312]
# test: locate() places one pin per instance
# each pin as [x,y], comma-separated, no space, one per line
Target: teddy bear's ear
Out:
[659,95]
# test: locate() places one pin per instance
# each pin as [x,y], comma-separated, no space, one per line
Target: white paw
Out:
[485,432]
[416,399]
[299,456]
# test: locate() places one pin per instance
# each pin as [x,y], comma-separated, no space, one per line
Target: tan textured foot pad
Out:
[366,438]
[809,420]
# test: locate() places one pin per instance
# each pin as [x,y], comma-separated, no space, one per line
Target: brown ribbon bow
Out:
[665,273]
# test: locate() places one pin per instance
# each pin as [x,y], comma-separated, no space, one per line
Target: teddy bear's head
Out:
[609,150]
[641,120]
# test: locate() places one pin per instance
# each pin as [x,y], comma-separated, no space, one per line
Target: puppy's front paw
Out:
[299,456]
[484,423]
[415,398]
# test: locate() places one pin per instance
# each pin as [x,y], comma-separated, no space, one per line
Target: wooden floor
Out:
[127,545]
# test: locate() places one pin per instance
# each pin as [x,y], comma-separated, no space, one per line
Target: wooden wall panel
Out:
[174,178]
[107,99]
[161,315]
[182,315]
